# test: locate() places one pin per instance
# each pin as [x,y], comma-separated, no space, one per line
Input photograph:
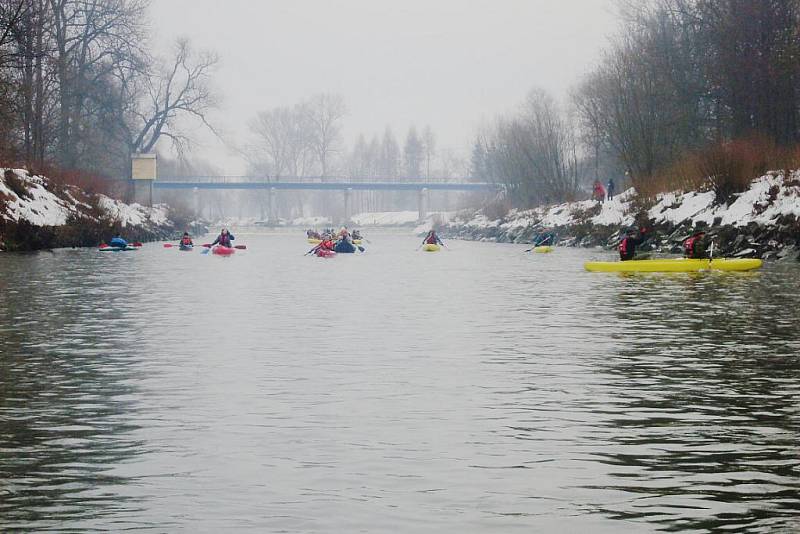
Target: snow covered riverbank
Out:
[35,214]
[762,221]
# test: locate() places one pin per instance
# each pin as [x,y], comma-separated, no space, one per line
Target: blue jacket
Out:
[118,242]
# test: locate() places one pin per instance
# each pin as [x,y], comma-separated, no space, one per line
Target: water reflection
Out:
[67,393]
[475,390]
[705,434]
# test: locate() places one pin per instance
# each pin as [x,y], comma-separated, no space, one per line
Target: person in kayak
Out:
[118,242]
[224,239]
[696,246]
[186,241]
[432,239]
[548,237]
[627,246]
[326,243]
[356,234]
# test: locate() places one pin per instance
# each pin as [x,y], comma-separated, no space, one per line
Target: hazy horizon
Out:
[451,64]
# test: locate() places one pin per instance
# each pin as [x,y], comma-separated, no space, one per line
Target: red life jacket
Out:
[688,245]
[224,240]
[186,241]
[623,246]
[431,239]
[327,245]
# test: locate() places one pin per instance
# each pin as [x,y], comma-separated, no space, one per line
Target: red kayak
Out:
[325,253]
[219,250]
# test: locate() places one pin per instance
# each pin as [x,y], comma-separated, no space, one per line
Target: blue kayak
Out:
[117,249]
[343,247]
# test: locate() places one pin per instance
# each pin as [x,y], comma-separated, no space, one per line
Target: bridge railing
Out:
[233,179]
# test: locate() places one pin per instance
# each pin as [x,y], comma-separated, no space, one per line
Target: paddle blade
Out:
[167,245]
[241,247]
[207,245]
[136,244]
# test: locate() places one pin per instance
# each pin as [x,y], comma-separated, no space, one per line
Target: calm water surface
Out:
[478,389]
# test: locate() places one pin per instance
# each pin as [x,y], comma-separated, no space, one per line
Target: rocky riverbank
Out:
[38,214]
[763,221]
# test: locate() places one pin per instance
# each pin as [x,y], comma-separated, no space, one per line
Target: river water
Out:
[478,389]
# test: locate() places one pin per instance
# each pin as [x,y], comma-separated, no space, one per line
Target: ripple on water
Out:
[478,389]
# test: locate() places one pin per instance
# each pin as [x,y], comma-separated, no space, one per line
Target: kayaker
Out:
[356,234]
[186,241]
[432,239]
[224,239]
[344,232]
[545,238]
[696,246]
[326,243]
[118,242]
[627,246]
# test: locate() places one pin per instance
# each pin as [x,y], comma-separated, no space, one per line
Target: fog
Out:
[450,64]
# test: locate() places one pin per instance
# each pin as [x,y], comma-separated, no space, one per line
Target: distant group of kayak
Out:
[330,242]
[221,246]
[698,250]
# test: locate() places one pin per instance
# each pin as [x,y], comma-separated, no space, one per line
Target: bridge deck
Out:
[329,186]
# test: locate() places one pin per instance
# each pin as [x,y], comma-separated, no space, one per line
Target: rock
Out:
[746,253]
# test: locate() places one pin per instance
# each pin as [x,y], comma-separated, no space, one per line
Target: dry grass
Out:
[726,168]
[89,182]
[497,208]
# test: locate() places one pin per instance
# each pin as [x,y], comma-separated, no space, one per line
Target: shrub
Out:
[497,208]
[16,184]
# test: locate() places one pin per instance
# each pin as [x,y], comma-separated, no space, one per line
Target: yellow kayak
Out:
[677,265]
[312,241]
[356,241]
[430,247]
[543,248]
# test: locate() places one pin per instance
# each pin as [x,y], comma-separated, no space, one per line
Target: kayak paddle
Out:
[168,245]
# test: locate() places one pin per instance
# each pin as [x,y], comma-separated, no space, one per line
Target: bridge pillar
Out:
[422,203]
[348,197]
[272,215]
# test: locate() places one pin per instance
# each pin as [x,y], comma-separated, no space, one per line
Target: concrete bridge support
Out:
[272,207]
[348,201]
[423,200]
[143,174]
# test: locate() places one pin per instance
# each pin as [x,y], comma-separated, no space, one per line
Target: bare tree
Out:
[182,89]
[428,148]
[413,154]
[282,140]
[324,113]
[92,39]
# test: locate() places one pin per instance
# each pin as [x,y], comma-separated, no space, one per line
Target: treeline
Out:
[306,140]
[688,91]
[80,89]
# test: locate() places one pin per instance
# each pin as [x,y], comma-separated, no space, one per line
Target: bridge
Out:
[347,186]
[317,184]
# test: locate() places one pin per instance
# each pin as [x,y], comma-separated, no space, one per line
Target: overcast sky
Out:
[448,63]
